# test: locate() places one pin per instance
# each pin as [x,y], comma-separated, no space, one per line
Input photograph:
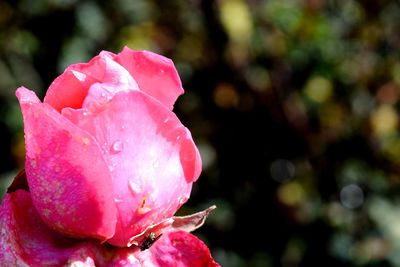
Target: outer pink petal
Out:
[156,75]
[177,249]
[24,239]
[70,88]
[182,249]
[69,181]
[150,154]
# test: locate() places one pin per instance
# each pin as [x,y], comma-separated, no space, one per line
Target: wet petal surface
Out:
[150,155]
[68,179]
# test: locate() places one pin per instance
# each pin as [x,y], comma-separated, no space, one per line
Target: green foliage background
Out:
[294,105]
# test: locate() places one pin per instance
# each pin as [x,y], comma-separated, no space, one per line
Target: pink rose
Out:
[106,159]
[26,241]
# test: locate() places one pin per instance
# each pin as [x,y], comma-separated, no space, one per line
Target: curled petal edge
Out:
[187,223]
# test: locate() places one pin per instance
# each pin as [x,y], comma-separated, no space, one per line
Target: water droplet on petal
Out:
[84,113]
[135,189]
[85,140]
[118,200]
[117,147]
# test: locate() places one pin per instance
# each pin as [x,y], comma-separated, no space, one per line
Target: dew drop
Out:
[117,147]
[84,113]
[118,200]
[135,189]
[85,141]
[111,168]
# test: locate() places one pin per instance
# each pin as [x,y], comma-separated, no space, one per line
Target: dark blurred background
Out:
[294,105]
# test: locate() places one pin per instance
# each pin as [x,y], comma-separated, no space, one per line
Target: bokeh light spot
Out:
[208,154]
[225,96]
[282,170]
[384,120]
[291,193]
[351,196]
[388,93]
[236,18]
[318,89]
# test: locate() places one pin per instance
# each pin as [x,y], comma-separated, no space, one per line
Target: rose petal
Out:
[192,222]
[24,239]
[70,88]
[156,75]
[156,229]
[150,154]
[177,249]
[68,179]
[187,223]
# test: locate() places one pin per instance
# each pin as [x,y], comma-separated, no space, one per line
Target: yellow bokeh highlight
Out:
[318,89]
[384,120]
[236,18]
[391,149]
[291,194]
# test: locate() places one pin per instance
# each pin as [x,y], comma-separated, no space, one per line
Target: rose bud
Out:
[106,157]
